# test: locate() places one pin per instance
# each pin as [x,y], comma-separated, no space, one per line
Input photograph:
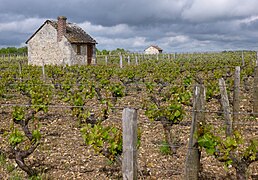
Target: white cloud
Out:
[119,29]
[139,42]
[248,19]
[132,43]
[112,37]
[205,10]
[24,26]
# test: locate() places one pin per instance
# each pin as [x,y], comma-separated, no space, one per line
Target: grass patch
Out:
[2,159]
[164,148]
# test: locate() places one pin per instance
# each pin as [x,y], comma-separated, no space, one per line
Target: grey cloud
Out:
[212,11]
[13,40]
[252,25]
[107,13]
[178,25]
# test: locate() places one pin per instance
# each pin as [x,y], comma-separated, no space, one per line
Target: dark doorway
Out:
[89,53]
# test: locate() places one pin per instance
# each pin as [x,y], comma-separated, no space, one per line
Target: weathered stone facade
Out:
[153,50]
[47,46]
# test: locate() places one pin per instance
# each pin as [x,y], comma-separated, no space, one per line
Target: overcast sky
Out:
[173,25]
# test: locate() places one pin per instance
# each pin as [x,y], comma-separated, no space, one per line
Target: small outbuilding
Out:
[60,42]
[153,49]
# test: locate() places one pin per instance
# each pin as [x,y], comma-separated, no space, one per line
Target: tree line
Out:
[112,52]
[13,50]
[21,50]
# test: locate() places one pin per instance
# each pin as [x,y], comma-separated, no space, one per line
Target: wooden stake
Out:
[43,71]
[243,59]
[256,62]
[129,162]
[225,106]
[121,61]
[128,60]
[192,165]
[255,93]
[236,106]
[136,60]
[106,60]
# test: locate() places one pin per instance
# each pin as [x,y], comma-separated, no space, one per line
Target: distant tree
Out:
[114,52]
[105,52]
[13,50]
[119,51]
[98,51]
[22,50]
[102,52]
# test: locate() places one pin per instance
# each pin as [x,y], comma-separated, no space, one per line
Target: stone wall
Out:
[80,59]
[43,47]
[67,52]
[151,50]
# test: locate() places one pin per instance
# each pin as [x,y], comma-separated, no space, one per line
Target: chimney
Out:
[61,27]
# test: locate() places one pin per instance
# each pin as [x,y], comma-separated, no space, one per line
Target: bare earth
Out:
[62,153]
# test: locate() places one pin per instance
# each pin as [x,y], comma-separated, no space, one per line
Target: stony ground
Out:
[62,153]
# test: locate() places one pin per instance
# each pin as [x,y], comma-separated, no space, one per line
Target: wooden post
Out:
[157,57]
[94,60]
[20,67]
[256,62]
[255,93]
[106,60]
[236,100]
[129,162]
[128,59]
[225,106]
[192,165]
[243,59]
[43,70]
[136,60]
[121,61]
[25,56]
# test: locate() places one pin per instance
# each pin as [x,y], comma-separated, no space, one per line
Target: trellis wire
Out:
[139,108]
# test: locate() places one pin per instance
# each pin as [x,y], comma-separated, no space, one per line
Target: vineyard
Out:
[65,122]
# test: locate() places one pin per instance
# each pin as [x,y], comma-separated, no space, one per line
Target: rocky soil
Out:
[62,153]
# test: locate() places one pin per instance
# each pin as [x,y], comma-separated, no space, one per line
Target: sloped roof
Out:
[74,33]
[156,47]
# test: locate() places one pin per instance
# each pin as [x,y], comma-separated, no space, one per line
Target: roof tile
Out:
[75,34]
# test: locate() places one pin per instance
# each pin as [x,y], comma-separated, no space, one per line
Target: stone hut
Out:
[60,42]
[153,49]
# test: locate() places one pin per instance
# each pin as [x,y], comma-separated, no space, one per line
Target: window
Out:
[79,52]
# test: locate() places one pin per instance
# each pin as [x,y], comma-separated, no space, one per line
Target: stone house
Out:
[153,50]
[60,42]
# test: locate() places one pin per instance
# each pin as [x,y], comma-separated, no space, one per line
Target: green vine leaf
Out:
[207,141]
[16,137]
[36,135]
[18,113]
